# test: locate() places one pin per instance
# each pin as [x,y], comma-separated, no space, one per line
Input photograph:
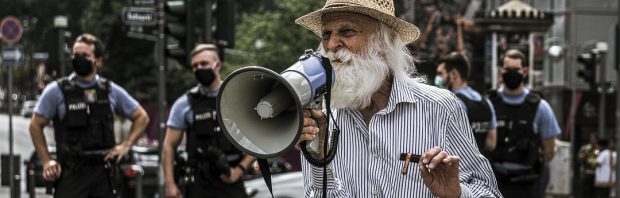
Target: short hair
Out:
[513,54]
[458,61]
[205,47]
[92,40]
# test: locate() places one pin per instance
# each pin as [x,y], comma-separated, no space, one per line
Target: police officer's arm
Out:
[548,149]
[549,129]
[139,120]
[171,141]
[491,140]
[237,172]
[51,169]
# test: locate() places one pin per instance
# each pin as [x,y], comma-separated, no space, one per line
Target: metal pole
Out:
[11,163]
[209,21]
[602,88]
[61,51]
[161,100]
[617,66]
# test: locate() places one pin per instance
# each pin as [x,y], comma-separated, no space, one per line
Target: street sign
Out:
[11,55]
[145,16]
[144,2]
[40,55]
[11,29]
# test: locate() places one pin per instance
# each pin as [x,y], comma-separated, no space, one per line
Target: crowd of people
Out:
[597,160]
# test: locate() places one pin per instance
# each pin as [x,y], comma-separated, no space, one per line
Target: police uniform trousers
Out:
[88,181]
[215,188]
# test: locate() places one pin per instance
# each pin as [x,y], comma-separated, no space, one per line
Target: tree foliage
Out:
[130,62]
[270,37]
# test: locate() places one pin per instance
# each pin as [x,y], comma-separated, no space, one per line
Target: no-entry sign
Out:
[11,29]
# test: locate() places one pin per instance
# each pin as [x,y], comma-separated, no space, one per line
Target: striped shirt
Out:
[418,117]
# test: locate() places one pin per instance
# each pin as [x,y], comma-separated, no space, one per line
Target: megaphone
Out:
[261,111]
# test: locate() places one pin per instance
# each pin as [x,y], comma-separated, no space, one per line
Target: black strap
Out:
[111,169]
[264,169]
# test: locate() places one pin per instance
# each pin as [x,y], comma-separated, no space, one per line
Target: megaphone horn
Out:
[261,111]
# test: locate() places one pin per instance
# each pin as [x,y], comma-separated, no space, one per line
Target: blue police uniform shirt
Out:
[544,121]
[52,101]
[181,114]
[475,96]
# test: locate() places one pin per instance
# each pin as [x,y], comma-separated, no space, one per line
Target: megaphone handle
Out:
[314,146]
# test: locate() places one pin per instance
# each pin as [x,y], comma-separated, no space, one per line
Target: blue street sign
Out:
[11,55]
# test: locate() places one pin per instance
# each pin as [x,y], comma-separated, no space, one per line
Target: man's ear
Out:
[98,62]
[453,74]
[217,66]
[526,71]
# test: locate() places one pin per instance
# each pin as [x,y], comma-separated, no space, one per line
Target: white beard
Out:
[358,77]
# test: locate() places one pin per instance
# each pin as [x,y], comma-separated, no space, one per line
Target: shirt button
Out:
[375,155]
[375,193]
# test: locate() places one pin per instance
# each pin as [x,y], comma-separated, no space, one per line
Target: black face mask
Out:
[512,78]
[205,76]
[81,65]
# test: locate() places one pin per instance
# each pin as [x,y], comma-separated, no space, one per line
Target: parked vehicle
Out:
[139,172]
[285,183]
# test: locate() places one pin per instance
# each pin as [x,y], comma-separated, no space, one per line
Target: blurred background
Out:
[571,47]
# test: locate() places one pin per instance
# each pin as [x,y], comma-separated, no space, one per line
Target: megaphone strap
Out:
[264,169]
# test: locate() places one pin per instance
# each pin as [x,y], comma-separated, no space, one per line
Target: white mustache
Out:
[342,56]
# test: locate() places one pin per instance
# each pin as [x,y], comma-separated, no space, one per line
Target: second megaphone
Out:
[261,111]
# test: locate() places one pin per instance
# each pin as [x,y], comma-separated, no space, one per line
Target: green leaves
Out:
[270,37]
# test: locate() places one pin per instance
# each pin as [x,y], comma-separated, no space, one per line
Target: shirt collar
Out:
[462,90]
[206,92]
[403,91]
[74,78]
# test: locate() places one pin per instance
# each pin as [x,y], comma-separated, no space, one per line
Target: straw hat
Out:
[382,10]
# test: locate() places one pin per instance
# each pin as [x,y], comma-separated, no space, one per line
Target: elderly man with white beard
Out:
[386,115]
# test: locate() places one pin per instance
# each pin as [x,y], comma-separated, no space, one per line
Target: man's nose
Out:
[333,43]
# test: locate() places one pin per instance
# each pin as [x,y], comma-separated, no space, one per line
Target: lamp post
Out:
[61,23]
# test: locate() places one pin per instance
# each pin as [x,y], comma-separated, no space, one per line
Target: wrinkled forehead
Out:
[347,18]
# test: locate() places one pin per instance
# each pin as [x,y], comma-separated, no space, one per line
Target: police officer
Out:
[217,167]
[452,74]
[81,107]
[526,130]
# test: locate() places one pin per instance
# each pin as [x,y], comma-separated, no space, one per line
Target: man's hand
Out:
[172,191]
[235,174]
[440,173]
[314,124]
[51,170]
[117,152]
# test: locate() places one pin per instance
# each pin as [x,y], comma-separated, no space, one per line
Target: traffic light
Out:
[178,30]
[588,72]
